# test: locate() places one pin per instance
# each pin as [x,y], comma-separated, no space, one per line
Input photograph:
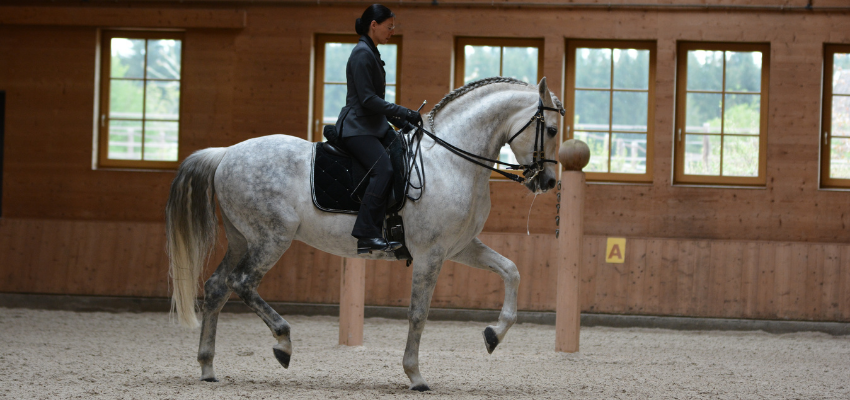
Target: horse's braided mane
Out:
[454,94]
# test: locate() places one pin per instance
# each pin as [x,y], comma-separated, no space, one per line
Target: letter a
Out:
[615,250]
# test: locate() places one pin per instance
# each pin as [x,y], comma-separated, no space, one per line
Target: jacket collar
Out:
[366,39]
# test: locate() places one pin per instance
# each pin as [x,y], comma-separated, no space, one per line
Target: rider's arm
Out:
[364,68]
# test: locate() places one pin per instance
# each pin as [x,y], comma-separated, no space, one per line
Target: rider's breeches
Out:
[371,154]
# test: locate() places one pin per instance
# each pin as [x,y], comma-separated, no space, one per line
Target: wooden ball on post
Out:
[574,155]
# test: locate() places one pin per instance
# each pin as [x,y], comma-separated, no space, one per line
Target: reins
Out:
[529,170]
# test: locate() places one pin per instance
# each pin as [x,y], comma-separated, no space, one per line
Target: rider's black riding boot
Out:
[375,244]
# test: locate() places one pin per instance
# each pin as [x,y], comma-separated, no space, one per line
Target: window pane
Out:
[128,58]
[389,53]
[839,158]
[591,109]
[161,141]
[336,57]
[593,68]
[480,62]
[598,144]
[630,110]
[840,115]
[125,98]
[164,59]
[631,69]
[702,154]
[703,113]
[841,73]
[742,114]
[520,63]
[125,140]
[705,70]
[390,94]
[333,102]
[162,100]
[740,156]
[628,153]
[506,155]
[743,71]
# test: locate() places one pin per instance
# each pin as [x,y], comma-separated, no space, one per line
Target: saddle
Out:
[338,183]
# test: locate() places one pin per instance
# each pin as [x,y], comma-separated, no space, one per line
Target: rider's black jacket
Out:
[366,112]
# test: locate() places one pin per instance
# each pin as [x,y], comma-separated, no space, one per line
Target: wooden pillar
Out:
[574,155]
[351,301]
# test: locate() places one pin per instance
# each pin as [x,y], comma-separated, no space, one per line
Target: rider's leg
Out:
[369,152]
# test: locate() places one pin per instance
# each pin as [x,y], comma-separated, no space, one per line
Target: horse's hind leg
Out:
[216,294]
[477,255]
[245,279]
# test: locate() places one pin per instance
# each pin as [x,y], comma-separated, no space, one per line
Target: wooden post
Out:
[351,301]
[574,155]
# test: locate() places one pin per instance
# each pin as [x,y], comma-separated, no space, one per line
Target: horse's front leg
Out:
[478,255]
[425,275]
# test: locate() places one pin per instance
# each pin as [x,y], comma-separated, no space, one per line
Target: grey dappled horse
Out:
[263,191]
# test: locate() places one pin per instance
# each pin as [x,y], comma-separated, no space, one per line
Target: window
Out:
[835,144]
[611,91]
[332,53]
[479,58]
[139,120]
[721,114]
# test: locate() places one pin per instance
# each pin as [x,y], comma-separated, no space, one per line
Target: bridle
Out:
[537,156]
[529,171]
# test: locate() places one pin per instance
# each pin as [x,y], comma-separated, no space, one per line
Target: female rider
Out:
[363,122]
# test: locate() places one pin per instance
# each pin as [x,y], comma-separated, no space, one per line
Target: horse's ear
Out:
[544,93]
[544,90]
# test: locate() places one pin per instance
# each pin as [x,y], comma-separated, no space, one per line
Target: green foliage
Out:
[487,61]
[614,105]
[129,88]
[740,155]
[839,158]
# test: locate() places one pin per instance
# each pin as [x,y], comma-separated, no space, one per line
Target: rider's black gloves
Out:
[413,117]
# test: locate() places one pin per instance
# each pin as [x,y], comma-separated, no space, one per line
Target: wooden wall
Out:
[683,277]
[247,73]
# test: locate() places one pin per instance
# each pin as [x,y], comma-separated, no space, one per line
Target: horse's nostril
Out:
[550,183]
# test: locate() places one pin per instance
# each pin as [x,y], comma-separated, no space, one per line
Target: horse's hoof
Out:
[210,379]
[420,388]
[490,339]
[282,357]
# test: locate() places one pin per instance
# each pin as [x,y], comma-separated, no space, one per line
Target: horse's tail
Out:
[191,229]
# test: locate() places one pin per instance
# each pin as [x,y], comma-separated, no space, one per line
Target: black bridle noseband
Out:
[529,171]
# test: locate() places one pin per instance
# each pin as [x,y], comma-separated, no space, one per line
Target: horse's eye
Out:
[553,131]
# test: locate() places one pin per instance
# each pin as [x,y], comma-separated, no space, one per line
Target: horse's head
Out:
[523,146]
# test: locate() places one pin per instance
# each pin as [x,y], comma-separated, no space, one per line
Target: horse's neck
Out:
[480,124]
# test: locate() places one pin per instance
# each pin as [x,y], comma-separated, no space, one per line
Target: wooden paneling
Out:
[777,252]
[700,278]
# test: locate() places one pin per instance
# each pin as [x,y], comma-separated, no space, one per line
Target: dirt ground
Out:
[61,355]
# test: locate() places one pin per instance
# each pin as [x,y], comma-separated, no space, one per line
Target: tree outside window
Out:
[835,142]
[479,58]
[140,99]
[721,114]
[610,90]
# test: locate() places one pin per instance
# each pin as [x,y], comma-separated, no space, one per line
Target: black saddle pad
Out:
[338,182]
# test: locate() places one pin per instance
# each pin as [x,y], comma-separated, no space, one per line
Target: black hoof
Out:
[282,357]
[490,339]
[210,380]
[421,388]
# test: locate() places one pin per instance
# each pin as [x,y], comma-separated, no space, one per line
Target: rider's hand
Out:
[413,117]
